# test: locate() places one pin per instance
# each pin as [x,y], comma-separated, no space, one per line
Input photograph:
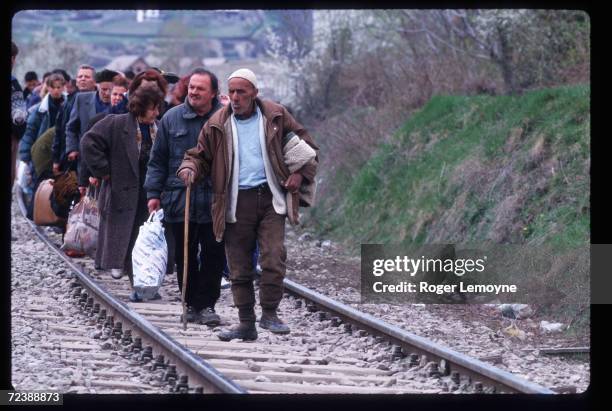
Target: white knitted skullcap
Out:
[246,74]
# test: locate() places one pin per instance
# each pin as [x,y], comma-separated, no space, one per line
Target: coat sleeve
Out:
[199,158]
[73,127]
[96,146]
[157,169]
[83,170]
[30,135]
[56,145]
[309,170]
[83,174]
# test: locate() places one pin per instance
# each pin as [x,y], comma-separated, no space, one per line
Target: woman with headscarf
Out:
[116,151]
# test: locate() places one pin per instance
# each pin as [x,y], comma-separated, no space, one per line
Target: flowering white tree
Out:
[405,56]
[526,45]
[305,78]
[47,52]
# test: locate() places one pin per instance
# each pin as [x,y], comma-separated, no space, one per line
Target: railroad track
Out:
[333,348]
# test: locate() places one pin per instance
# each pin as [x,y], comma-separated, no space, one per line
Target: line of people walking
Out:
[122,137]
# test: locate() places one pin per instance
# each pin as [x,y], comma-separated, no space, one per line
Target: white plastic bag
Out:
[24,177]
[150,256]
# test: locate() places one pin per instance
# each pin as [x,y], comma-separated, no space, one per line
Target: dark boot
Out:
[193,315]
[270,321]
[245,331]
[209,317]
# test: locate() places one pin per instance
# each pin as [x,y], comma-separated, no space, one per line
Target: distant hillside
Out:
[119,32]
[467,169]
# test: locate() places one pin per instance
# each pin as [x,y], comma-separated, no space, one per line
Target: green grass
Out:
[511,170]
[409,188]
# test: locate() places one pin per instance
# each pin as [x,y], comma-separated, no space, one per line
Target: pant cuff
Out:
[246,314]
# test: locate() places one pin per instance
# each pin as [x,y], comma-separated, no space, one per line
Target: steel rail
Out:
[487,374]
[197,369]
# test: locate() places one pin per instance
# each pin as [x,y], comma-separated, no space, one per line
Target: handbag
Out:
[43,213]
[82,228]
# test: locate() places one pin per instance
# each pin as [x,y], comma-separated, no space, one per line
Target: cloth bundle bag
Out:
[82,227]
[65,192]
[297,153]
[150,256]
[43,213]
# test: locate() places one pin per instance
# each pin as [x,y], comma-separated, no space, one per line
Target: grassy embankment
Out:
[503,169]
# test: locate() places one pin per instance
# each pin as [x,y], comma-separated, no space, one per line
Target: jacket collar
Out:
[269,110]
[189,114]
[44,104]
[90,94]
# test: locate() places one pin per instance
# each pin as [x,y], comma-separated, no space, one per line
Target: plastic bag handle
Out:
[93,191]
[150,219]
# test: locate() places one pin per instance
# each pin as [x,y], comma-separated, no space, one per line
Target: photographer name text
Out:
[425,287]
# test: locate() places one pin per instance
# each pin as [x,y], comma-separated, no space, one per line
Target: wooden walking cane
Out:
[185,253]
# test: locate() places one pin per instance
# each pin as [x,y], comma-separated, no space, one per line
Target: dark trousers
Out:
[171,248]
[226,270]
[256,220]
[204,268]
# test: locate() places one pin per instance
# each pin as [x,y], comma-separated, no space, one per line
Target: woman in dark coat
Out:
[116,151]
[144,77]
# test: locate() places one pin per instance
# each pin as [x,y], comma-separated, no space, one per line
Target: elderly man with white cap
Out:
[241,148]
